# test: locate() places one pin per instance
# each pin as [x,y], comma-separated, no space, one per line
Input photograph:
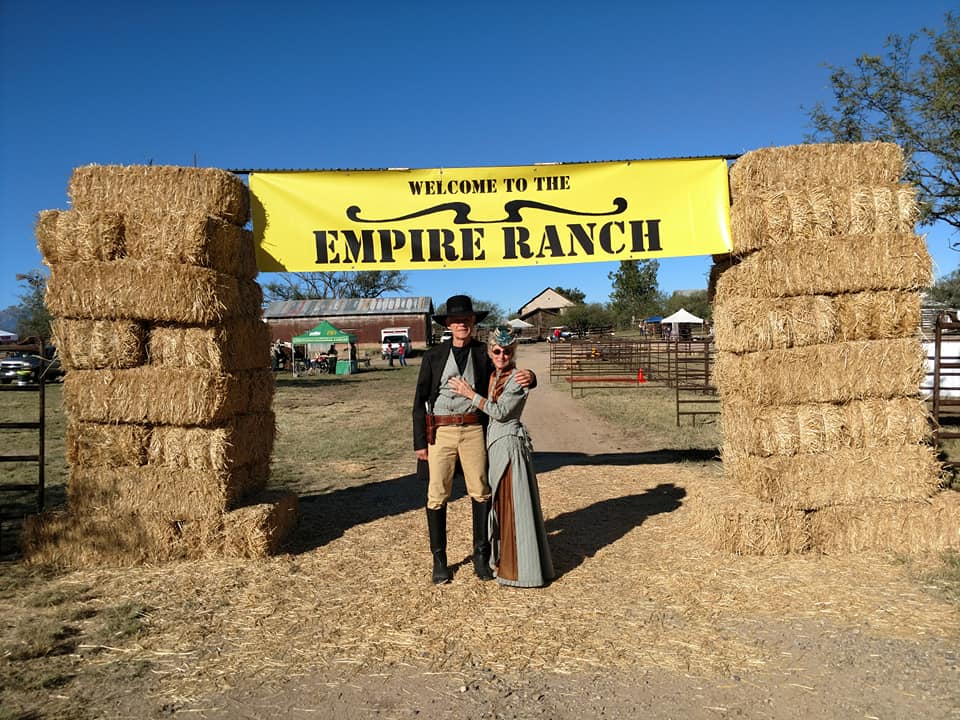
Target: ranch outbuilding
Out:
[362,317]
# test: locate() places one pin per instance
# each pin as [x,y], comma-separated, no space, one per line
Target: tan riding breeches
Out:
[467,442]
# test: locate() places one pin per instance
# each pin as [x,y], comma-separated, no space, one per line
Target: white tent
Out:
[7,337]
[518,324]
[680,317]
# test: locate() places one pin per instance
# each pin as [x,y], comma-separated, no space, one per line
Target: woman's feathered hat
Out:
[501,335]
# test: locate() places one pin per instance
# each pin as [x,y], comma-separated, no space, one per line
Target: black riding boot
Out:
[481,542]
[437,525]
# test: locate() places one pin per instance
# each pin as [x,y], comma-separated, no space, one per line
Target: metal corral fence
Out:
[683,365]
[14,510]
[941,386]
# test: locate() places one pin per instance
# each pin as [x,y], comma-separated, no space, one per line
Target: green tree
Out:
[581,318]
[328,285]
[574,295]
[634,294]
[912,101]
[33,317]
[947,290]
[694,301]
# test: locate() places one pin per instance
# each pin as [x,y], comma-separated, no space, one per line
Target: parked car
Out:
[27,368]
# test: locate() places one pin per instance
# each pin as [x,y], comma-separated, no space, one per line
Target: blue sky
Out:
[418,84]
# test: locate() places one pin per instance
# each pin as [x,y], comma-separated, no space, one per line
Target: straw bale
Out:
[96,344]
[835,373]
[933,526]
[191,239]
[82,540]
[720,264]
[742,324]
[71,235]
[250,304]
[245,439]
[822,427]
[106,444]
[778,218]
[842,477]
[166,396]
[126,539]
[732,521]
[70,540]
[157,292]
[794,167]
[257,530]
[160,188]
[167,493]
[852,263]
[240,344]
[254,530]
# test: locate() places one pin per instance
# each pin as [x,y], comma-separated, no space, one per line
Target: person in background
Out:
[390,354]
[332,359]
[401,354]
[276,355]
[447,429]
[520,551]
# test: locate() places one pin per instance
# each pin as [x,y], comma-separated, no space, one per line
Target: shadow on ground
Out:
[580,534]
[326,516]
[547,461]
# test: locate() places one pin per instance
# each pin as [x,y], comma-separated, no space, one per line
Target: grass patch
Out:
[343,429]
[45,636]
[120,622]
[945,579]
[650,413]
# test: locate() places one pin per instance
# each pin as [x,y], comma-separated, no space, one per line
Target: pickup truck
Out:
[26,368]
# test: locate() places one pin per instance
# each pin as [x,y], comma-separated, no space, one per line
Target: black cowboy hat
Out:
[460,305]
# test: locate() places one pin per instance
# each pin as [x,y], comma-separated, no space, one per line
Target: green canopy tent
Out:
[327,334]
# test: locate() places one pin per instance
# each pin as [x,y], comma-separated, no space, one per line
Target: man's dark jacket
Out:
[428,383]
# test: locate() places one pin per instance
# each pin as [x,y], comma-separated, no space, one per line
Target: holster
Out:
[431,430]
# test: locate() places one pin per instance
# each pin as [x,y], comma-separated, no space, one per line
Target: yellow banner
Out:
[490,217]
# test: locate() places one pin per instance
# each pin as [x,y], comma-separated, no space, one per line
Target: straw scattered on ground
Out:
[637,590]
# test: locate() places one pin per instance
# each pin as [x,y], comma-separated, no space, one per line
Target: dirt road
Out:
[641,622]
[557,422]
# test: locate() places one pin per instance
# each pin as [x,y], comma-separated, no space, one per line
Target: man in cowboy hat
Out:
[446,428]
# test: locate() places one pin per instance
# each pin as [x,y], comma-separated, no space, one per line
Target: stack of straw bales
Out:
[168,391]
[819,362]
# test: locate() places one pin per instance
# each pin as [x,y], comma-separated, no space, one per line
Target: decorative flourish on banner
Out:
[512,208]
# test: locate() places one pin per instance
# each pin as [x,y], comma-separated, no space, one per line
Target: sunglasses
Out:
[505,351]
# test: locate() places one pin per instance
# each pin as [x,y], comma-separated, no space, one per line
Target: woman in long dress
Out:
[520,554]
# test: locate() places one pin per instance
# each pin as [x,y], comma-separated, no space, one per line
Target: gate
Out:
[30,383]
[943,380]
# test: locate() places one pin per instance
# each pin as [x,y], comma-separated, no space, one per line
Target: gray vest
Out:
[448,402]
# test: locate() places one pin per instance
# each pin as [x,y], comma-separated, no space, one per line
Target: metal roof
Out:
[341,307]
